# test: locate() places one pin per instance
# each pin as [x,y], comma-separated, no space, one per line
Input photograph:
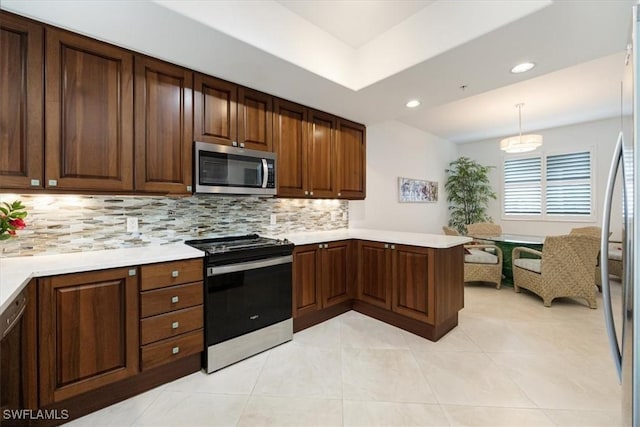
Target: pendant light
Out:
[521,143]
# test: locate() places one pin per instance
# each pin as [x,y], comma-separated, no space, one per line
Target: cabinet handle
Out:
[339,194]
[175,273]
[175,350]
[393,246]
[311,193]
[234,143]
[242,145]
[386,246]
[175,325]
[320,246]
[175,299]
[35,183]
[53,183]
[326,246]
[189,188]
[306,193]
[132,272]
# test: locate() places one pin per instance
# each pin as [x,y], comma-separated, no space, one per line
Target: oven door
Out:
[247,296]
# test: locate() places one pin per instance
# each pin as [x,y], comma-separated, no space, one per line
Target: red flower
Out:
[17,223]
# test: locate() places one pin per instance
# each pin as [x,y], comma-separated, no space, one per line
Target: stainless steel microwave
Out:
[221,169]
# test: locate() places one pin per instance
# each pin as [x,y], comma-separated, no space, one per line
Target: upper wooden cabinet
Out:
[89,114]
[163,126]
[232,115]
[351,160]
[88,331]
[21,103]
[321,158]
[291,136]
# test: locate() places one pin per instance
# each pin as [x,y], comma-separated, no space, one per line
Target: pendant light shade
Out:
[521,143]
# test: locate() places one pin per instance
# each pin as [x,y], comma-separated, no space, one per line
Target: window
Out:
[545,187]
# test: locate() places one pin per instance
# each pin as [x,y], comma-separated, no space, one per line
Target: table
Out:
[506,242]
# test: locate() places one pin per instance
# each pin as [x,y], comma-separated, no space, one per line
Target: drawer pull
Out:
[254,317]
[175,350]
[175,299]
[175,273]
[175,325]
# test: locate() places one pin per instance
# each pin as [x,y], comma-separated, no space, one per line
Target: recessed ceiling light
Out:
[413,103]
[521,68]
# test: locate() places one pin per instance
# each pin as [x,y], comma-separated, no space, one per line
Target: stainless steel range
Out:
[247,296]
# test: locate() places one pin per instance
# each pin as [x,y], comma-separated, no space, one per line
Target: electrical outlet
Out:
[273,219]
[132,224]
[334,216]
[345,216]
[171,214]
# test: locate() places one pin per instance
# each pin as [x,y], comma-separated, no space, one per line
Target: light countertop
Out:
[16,272]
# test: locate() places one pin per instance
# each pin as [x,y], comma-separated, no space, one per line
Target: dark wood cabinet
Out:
[229,114]
[88,331]
[89,114]
[323,277]
[321,156]
[351,160]
[21,103]
[290,142]
[163,126]
[374,281]
[413,282]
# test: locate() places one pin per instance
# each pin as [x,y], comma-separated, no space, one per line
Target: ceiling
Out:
[364,59]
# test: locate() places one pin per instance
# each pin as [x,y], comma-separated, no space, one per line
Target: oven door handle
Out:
[251,265]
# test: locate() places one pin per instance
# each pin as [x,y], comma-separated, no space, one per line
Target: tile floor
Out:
[510,362]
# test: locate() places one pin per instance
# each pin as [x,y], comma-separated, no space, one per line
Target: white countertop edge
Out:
[15,273]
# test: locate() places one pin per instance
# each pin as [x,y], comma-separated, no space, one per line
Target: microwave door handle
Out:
[604,255]
[265,173]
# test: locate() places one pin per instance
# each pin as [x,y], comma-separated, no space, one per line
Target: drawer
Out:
[170,324]
[155,276]
[171,349]
[169,299]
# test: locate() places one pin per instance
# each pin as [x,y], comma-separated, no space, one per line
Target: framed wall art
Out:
[417,191]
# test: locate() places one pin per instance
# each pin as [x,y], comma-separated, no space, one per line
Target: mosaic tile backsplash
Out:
[61,224]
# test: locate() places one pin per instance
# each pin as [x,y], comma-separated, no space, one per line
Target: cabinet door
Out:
[215,109]
[291,148]
[306,280]
[337,281]
[321,155]
[255,120]
[163,126]
[374,280]
[89,110]
[351,160]
[21,103]
[413,282]
[88,331]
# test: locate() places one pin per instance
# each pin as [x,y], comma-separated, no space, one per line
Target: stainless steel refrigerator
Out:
[624,339]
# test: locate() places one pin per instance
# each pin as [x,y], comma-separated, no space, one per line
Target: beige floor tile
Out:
[174,408]
[324,335]
[455,340]
[301,371]
[359,331]
[239,378]
[585,418]
[465,378]
[119,415]
[495,417]
[554,381]
[383,375]
[370,414]
[290,411]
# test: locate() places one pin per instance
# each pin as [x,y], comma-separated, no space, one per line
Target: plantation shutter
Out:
[569,184]
[523,186]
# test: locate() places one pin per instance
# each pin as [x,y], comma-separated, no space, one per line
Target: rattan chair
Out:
[450,231]
[565,268]
[615,253]
[484,229]
[483,266]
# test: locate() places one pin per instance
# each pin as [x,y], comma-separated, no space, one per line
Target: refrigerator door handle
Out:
[604,256]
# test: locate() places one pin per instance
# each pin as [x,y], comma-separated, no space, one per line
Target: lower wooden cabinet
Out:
[323,277]
[413,282]
[374,265]
[88,331]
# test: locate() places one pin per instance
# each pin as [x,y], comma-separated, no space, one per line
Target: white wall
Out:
[599,135]
[397,150]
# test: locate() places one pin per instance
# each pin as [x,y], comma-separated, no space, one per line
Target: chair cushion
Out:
[530,264]
[478,256]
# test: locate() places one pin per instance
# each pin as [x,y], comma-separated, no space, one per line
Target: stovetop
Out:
[246,243]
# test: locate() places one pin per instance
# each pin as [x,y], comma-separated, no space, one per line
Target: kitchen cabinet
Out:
[323,277]
[163,126]
[290,143]
[88,331]
[351,160]
[321,156]
[374,280]
[21,103]
[171,312]
[229,114]
[89,114]
[413,282]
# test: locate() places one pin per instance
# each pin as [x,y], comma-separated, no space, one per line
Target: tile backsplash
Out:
[68,223]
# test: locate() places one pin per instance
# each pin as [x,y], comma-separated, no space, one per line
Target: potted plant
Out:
[469,192]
